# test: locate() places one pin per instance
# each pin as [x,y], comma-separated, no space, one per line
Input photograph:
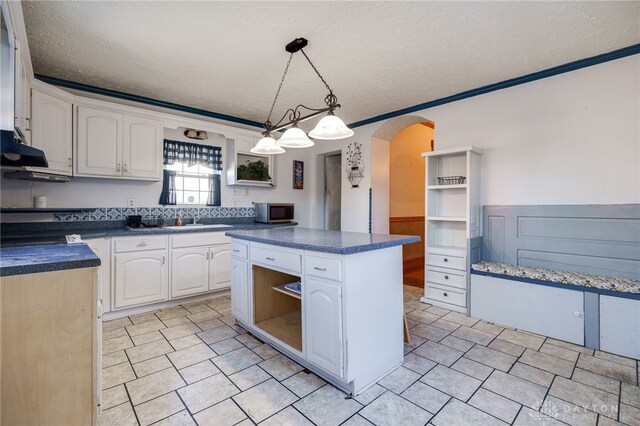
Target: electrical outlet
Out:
[236,192]
[246,192]
[131,202]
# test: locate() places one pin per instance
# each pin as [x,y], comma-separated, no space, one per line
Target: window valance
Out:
[192,154]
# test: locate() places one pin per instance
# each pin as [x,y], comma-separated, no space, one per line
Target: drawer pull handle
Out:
[270,258]
[236,251]
[207,256]
[446,277]
[320,269]
[69,162]
[117,167]
[446,260]
[445,294]
[163,260]
[142,244]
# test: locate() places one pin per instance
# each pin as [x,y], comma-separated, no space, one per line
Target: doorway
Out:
[332,203]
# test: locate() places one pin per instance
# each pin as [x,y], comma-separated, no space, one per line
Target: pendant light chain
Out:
[317,72]
[286,69]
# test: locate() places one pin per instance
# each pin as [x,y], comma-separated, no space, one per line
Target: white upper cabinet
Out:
[112,144]
[52,131]
[142,154]
[22,104]
[99,142]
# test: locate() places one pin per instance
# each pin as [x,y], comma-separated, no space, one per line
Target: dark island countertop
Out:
[46,258]
[323,241]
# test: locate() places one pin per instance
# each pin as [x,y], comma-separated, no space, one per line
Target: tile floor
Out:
[190,365]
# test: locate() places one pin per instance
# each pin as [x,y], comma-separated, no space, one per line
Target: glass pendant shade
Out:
[295,138]
[331,127]
[267,145]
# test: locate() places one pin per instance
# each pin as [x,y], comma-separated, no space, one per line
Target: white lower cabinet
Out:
[240,289]
[100,246]
[220,267]
[323,325]
[200,262]
[189,271]
[141,277]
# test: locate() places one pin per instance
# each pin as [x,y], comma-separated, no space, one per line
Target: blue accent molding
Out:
[571,66]
[144,100]
[560,69]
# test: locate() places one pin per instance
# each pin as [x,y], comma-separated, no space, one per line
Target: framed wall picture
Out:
[298,174]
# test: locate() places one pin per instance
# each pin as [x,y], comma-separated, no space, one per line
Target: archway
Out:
[397,181]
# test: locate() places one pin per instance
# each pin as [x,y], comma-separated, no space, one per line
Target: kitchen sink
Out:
[199,226]
[184,227]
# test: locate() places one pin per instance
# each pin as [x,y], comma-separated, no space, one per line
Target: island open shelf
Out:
[275,311]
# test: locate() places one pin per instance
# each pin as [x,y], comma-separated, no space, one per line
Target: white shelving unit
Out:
[453,218]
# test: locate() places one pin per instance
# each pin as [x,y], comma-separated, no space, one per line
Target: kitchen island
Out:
[344,320]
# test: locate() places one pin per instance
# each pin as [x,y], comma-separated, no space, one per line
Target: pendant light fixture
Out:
[329,127]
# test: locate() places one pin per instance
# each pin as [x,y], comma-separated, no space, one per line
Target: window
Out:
[192,183]
[191,174]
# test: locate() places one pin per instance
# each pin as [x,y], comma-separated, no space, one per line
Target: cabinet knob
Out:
[319,269]
[270,258]
[577,314]
[446,260]
[446,277]
[445,295]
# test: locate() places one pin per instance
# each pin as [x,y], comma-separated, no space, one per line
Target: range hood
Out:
[14,153]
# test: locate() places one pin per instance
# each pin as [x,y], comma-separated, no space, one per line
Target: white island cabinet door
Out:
[142,153]
[220,264]
[323,325]
[141,277]
[99,142]
[239,290]
[189,271]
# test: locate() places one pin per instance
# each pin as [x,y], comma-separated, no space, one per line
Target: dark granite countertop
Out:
[323,241]
[45,258]
[38,232]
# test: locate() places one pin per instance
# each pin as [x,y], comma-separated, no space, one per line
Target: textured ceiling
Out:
[378,57]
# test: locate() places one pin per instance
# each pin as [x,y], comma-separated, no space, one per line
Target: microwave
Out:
[274,212]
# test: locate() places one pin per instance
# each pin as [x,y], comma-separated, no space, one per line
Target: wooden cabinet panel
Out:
[323,325]
[52,131]
[140,278]
[240,290]
[49,348]
[101,247]
[99,146]
[189,271]
[142,152]
[219,267]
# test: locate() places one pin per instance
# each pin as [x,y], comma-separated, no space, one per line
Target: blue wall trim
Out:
[571,66]
[144,100]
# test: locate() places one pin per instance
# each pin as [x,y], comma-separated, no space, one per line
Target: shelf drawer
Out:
[447,277]
[151,242]
[239,250]
[279,259]
[447,261]
[323,267]
[449,295]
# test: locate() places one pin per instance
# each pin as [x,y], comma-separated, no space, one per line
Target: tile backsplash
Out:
[121,213]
